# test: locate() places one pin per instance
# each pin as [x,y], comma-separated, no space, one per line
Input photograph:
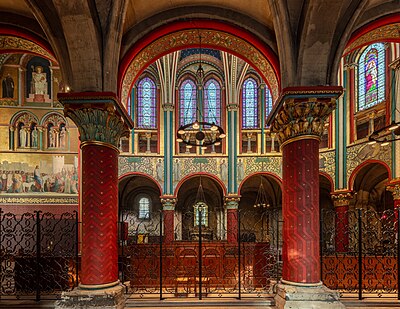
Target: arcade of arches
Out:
[296,202]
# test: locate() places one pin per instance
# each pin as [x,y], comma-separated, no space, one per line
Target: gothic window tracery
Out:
[250,104]
[212,102]
[146,104]
[188,102]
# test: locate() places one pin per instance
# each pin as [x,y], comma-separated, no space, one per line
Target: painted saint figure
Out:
[22,137]
[8,87]
[37,178]
[34,137]
[63,134]
[39,81]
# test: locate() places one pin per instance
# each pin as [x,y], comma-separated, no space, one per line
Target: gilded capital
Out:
[232,107]
[168,202]
[342,197]
[99,117]
[168,107]
[302,111]
[394,187]
[232,201]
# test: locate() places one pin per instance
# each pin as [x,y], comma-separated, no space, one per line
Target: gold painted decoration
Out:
[95,124]
[38,200]
[213,38]
[299,117]
[341,198]
[381,34]
[16,43]
[394,187]
[8,102]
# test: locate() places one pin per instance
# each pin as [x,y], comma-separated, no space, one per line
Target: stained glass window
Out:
[188,101]
[212,102]
[204,214]
[146,105]
[268,102]
[371,76]
[249,104]
[144,208]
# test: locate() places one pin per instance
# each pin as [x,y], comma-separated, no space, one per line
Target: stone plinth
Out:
[108,298]
[306,297]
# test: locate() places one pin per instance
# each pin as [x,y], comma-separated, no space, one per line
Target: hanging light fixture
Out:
[200,133]
[261,199]
[386,134]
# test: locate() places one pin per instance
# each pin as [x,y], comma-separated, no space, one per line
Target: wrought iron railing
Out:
[38,254]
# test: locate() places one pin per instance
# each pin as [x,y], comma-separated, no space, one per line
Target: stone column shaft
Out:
[341,200]
[168,203]
[232,219]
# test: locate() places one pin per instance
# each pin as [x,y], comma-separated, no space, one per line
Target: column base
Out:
[306,297]
[105,298]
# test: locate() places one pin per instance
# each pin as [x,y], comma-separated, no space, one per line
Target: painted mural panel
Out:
[38,174]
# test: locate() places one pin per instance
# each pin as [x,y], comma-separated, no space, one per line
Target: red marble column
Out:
[101,122]
[299,119]
[341,201]
[232,220]
[99,214]
[300,209]
[168,203]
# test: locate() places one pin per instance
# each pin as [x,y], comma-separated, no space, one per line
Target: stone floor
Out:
[265,303]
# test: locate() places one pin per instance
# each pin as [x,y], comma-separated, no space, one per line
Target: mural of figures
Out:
[45,178]
[39,81]
[8,87]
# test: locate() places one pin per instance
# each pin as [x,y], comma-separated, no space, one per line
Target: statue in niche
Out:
[8,87]
[34,137]
[22,137]
[52,138]
[39,81]
[63,135]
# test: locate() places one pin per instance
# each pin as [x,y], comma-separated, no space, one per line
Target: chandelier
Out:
[200,133]
[261,199]
[385,135]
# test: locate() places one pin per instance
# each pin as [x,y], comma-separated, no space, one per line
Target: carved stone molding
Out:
[342,197]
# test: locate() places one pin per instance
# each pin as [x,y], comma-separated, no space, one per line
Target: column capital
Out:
[168,107]
[394,187]
[232,201]
[341,197]
[99,116]
[302,111]
[232,107]
[168,202]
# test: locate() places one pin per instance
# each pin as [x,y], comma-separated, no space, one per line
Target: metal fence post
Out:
[161,251]
[321,242]
[360,254]
[38,241]
[76,248]
[239,257]
[398,253]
